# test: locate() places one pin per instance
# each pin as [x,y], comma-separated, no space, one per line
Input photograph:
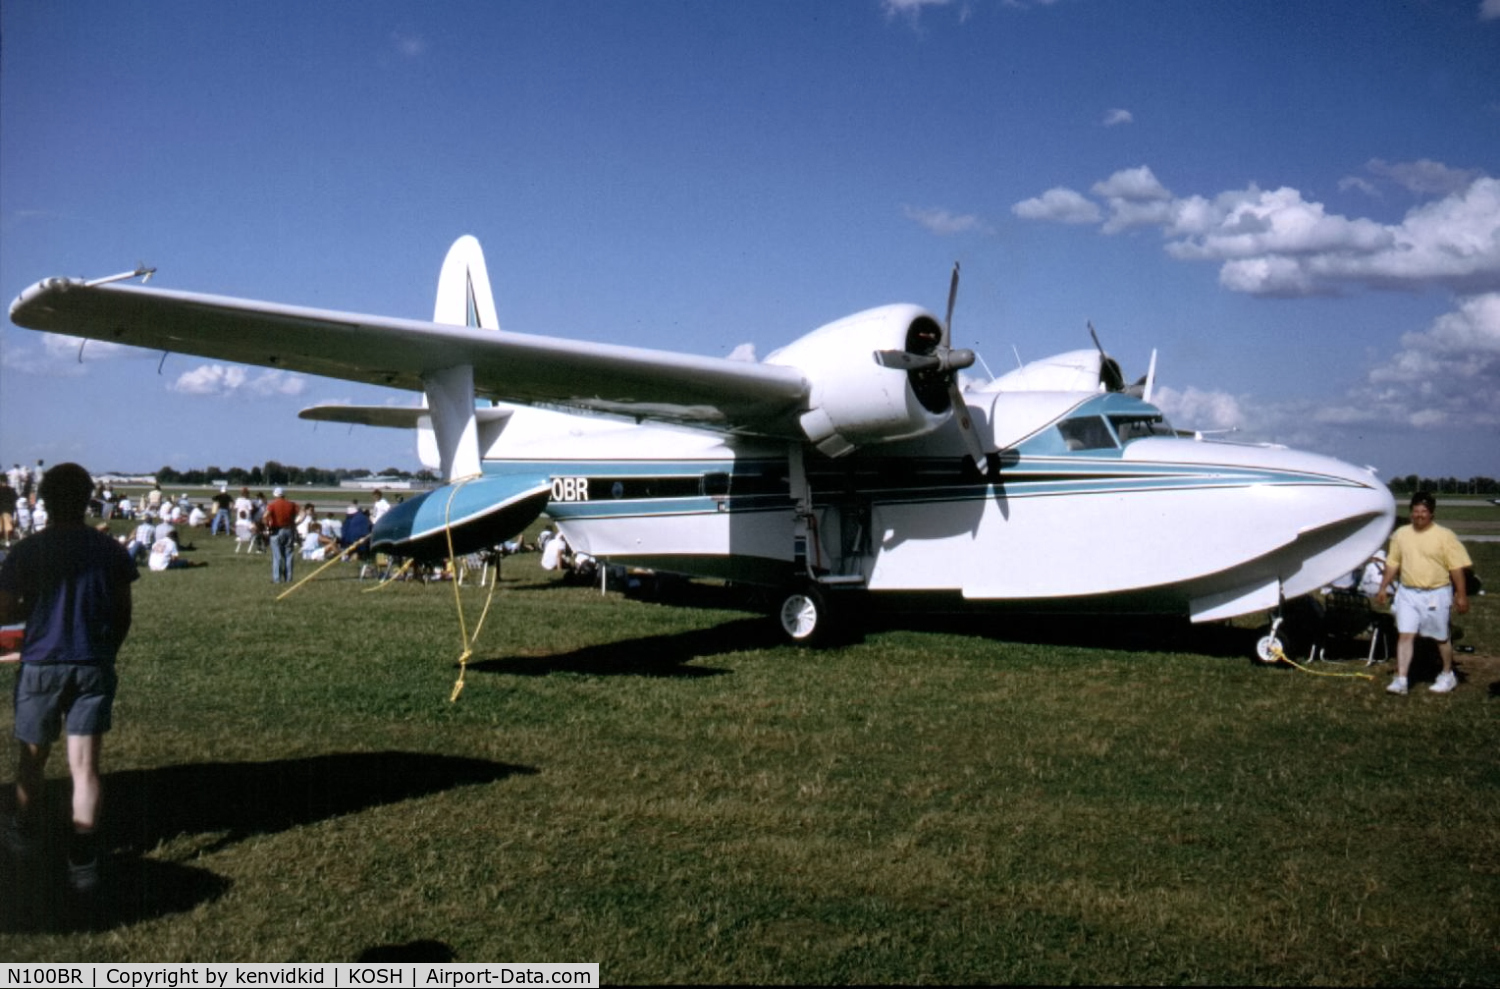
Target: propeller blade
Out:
[1110,374]
[965,422]
[905,360]
[954,361]
[943,360]
[1150,377]
[952,298]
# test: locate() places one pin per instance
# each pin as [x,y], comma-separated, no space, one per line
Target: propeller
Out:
[1110,375]
[932,365]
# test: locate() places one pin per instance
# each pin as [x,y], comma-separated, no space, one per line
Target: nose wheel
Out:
[1270,649]
[1296,628]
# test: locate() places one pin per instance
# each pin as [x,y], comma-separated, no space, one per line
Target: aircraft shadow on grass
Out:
[1123,632]
[648,656]
[667,655]
[224,801]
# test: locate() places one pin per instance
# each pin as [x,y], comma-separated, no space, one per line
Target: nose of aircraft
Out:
[1343,515]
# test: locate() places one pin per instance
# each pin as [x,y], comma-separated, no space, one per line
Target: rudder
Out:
[463,296]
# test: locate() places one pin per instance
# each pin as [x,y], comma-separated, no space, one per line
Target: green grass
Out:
[669,792]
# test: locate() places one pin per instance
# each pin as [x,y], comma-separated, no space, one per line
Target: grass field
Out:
[669,792]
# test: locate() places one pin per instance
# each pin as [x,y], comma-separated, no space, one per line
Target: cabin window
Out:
[1086,433]
[1134,427]
[716,483]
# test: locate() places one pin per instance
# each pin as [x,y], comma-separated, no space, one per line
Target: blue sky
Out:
[1296,203]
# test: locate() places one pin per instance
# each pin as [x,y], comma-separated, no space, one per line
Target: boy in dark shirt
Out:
[71,586]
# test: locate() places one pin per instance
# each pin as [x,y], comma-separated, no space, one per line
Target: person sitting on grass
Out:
[140,542]
[164,555]
[316,546]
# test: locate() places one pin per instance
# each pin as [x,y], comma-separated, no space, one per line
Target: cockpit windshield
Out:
[1102,425]
[1086,433]
[1133,427]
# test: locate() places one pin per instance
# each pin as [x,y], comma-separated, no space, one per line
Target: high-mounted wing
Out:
[398,353]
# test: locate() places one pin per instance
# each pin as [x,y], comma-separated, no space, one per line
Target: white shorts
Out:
[1423,612]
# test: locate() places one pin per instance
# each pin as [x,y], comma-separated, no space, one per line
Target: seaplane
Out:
[851,467]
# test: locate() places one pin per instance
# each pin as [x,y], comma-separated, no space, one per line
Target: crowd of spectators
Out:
[159,520]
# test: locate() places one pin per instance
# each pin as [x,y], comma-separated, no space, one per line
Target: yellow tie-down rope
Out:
[467,641]
[1279,654]
[391,578]
[337,557]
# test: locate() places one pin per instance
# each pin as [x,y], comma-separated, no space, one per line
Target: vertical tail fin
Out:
[463,296]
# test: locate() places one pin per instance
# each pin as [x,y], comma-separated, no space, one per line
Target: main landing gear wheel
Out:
[803,616]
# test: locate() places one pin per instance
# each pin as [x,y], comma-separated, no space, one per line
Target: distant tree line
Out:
[275,472]
[1445,485]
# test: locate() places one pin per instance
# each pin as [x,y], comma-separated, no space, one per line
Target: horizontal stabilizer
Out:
[390,416]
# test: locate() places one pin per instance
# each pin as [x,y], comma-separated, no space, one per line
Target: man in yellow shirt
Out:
[1430,562]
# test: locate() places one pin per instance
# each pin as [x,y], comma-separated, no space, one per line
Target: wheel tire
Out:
[1265,650]
[803,616]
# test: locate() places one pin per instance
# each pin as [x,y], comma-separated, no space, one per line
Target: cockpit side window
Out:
[1134,427]
[1086,433]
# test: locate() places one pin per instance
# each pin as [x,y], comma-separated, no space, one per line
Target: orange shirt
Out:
[279,514]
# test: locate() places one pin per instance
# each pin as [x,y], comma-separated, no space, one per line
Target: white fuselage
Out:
[1156,522]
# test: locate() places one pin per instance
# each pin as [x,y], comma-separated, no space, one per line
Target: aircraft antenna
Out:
[984,364]
[141,271]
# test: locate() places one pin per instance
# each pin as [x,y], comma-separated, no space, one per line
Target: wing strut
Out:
[450,400]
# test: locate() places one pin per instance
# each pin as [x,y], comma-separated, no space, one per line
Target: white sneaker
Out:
[1397,686]
[1444,683]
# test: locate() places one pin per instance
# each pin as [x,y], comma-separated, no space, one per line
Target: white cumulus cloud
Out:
[1059,205]
[942,222]
[1446,377]
[1425,177]
[409,45]
[1195,408]
[1278,243]
[1449,372]
[1135,198]
[911,9]
[68,348]
[217,379]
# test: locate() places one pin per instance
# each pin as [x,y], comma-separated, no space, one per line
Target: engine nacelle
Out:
[856,401]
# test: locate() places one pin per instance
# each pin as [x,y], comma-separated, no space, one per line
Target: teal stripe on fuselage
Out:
[890,481]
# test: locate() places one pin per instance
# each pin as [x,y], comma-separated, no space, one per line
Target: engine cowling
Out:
[856,400]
